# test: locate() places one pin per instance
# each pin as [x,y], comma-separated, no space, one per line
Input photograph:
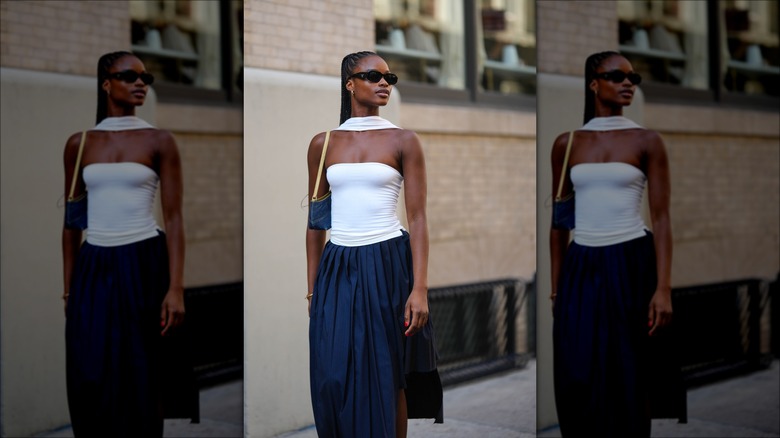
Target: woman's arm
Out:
[171,193]
[71,238]
[659,192]
[559,239]
[315,239]
[416,194]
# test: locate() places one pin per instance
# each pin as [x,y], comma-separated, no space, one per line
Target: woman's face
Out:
[365,91]
[127,82]
[613,84]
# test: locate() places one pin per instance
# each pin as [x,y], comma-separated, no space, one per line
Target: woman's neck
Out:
[608,111]
[365,111]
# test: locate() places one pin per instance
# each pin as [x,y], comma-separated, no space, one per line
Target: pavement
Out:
[499,406]
[745,406]
[504,406]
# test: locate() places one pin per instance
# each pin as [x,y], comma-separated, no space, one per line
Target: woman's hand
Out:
[172,314]
[416,311]
[660,312]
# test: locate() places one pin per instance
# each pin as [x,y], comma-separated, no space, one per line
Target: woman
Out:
[123,286]
[611,286]
[370,336]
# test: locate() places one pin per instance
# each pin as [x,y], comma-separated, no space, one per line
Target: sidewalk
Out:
[504,406]
[221,415]
[500,406]
[743,406]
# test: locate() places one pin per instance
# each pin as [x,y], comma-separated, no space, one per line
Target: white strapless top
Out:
[120,203]
[607,204]
[363,207]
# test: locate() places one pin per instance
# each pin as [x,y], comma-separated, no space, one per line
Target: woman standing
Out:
[370,336]
[123,285]
[611,286]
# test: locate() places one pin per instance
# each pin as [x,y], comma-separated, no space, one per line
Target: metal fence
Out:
[482,328]
[215,328]
[722,328]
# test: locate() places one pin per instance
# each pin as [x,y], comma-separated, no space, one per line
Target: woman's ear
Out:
[106,86]
[350,86]
[594,87]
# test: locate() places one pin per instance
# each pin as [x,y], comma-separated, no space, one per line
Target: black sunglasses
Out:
[376,76]
[130,76]
[618,76]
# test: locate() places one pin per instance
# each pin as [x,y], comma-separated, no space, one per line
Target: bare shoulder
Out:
[163,136]
[560,143]
[408,139]
[316,144]
[652,140]
[72,145]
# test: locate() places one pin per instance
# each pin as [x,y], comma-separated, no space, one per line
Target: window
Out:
[193,48]
[666,41]
[727,49]
[752,64]
[508,50]
[438,55]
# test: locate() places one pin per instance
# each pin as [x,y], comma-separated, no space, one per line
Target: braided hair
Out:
[104,64]
[348,65]
[591,65]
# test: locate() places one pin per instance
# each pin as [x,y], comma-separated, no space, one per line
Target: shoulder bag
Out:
[563,207]
[76,207]
[319,208]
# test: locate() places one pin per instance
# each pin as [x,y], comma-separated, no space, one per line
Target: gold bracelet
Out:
[309,296]
[65,296]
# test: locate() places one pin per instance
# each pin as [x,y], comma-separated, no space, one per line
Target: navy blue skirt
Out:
[117,361]
[359,356]
[600,339]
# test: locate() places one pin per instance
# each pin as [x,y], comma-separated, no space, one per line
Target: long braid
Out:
[348,65]
[591,65]
[104,64]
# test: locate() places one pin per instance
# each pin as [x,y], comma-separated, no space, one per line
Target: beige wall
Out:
[481,191]
[210,140]
[725,205]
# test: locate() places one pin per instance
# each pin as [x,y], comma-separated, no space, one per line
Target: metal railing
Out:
[719,328]
[215,327]
[481,328]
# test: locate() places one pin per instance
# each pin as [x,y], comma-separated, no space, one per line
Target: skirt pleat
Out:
[113,342]
[600,338]
[359,356]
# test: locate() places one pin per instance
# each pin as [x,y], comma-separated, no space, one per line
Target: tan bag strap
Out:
[322,163]
[565,162]
[78,162]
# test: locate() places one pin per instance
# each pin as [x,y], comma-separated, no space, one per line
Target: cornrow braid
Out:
[348,65]
[591,65]
[104,64]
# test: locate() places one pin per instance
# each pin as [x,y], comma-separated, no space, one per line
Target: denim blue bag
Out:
[563,207]
[76,207]
[319,208]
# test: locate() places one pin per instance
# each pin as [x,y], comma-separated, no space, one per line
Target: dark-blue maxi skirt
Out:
[600,339]
[359,356]
[117,361]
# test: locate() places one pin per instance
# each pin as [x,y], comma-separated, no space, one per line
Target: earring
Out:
[353,92]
